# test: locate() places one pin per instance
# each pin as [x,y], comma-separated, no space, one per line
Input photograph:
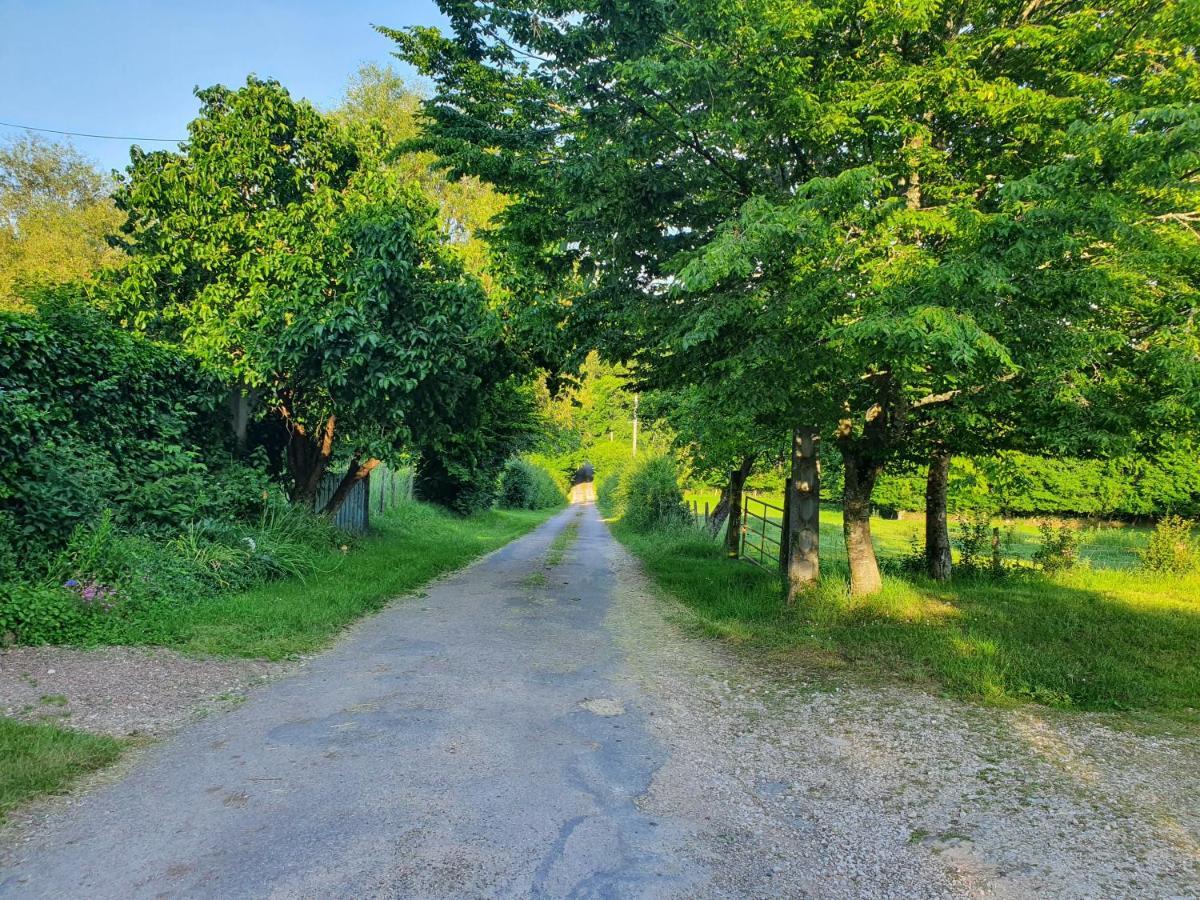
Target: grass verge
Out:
[561,543]
[1089,639]
[40,759]
[409,546]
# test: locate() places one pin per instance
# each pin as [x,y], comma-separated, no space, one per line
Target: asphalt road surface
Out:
[532,730]
[471,741]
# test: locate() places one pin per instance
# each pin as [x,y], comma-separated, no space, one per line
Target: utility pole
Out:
[635,423]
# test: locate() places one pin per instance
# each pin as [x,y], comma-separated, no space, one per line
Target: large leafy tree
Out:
[274,249]
[55,217]
[921,225]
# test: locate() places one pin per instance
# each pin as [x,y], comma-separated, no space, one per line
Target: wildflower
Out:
[71,583]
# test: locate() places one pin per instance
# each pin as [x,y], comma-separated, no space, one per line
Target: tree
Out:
[379,99]
[275,250]
[55,217]
[896,216]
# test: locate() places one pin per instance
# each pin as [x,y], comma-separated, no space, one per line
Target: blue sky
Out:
[128,67]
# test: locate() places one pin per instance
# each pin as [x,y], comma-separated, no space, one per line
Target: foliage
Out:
[378,98]
[651,497]
[873,220]
[608,495]
[106,578]
[979,547]
[1059,548]
[1172,550]
[55,217]
[525,485]
[276,248]
[97,417]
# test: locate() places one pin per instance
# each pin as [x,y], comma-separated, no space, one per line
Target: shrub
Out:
[651,496]
[91,412]
[524,485]
[40,614]
[1058,546]
[979,547]
[1171,549]
[608,495]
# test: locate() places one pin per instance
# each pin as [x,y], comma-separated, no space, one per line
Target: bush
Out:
[651,496]
[1059,547]
[92,413]
[40,614]
[1171,550]
[524,485]
[608,495]
[980,547]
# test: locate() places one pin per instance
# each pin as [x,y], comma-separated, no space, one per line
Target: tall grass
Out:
[410,545]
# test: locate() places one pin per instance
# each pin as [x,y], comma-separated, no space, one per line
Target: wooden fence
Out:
[380,491]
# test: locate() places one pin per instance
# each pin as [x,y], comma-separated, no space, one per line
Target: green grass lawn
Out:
[1102,545]
[1088,639]
[409,546]
[40,759]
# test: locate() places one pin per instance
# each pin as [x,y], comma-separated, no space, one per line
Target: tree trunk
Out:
[308,460]
[937,530]
[728,504]
[804,512]
[733,509]
[856,525]
[355,473]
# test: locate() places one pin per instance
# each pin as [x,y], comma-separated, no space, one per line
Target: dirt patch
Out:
[122,691]
[814,783]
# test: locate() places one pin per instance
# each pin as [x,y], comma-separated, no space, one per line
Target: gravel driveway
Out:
[529,731]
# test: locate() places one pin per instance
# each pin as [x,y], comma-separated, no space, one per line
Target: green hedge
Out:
[525,485]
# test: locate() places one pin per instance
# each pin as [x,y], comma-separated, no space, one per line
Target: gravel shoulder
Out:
[123,691]
[830,787]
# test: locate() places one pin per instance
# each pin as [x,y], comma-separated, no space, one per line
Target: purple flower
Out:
[71,583]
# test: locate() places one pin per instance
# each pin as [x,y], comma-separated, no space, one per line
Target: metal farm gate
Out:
[762,533]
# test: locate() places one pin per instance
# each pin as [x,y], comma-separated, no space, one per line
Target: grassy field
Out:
[1092,638]
[409,545]
[41,759]
[1102,545]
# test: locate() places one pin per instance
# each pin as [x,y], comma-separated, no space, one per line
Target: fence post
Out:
[742,528]
[804,511]
[733,523]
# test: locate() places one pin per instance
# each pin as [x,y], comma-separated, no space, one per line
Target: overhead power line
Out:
[107,137]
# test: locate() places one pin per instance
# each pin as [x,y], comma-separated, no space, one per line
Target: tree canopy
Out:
[275,248]
[55,217]
[895,221]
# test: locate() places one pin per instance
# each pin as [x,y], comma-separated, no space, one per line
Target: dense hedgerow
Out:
[650,496]
[118,494]
[524,485]
[98,418]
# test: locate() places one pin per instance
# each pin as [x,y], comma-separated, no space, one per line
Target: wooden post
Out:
[705,512]
[804,512]
[366,503]
[785,530]
[733,522]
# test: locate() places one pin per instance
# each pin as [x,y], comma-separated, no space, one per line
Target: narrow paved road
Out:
[534,730]
[472,741]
